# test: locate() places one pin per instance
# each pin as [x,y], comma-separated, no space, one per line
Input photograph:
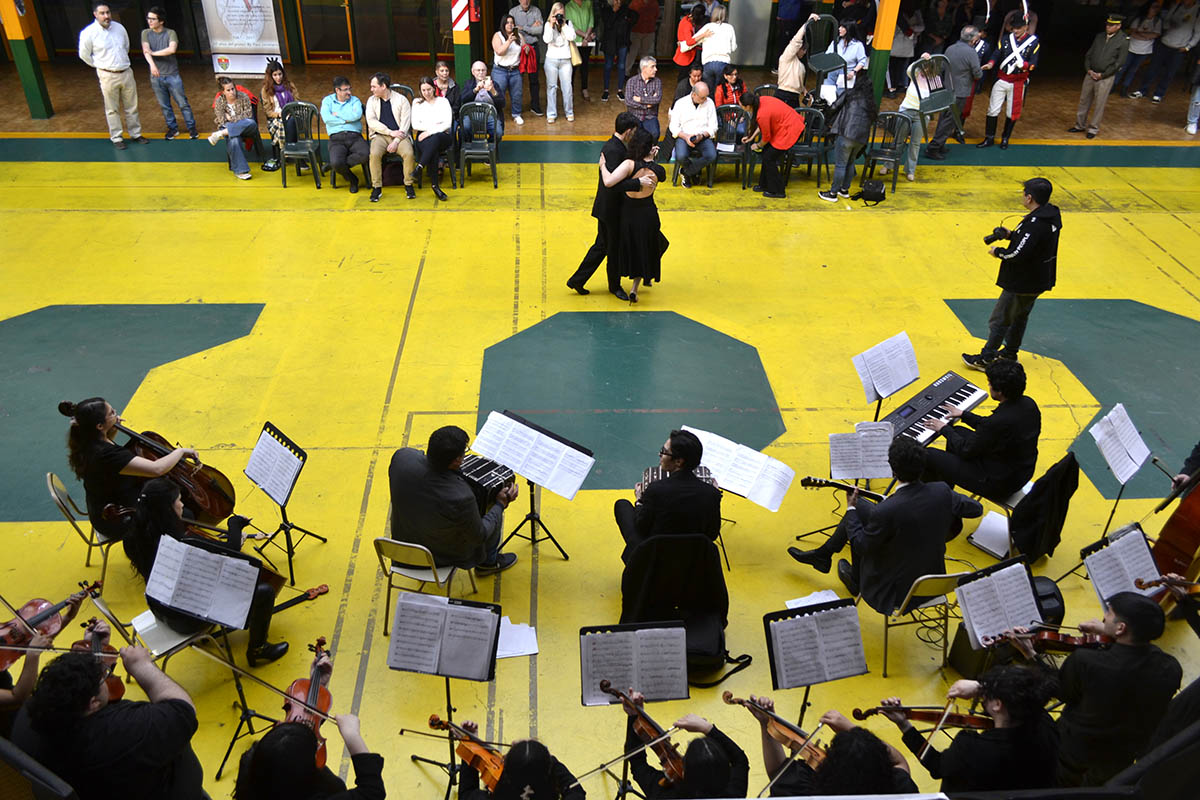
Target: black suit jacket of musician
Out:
[904,538]
[680,503]
[1004,445]
[607,206]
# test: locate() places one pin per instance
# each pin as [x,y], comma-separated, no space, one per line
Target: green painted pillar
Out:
[19,25]
[885,32]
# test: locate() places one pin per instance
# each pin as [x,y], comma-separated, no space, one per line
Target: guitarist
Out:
[900,539]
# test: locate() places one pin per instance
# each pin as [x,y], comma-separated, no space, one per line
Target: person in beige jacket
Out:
[388,115]
[791,70]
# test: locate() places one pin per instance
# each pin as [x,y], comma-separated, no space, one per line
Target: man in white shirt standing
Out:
[694,124]
[104,46]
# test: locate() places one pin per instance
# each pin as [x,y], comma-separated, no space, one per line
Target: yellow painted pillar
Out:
[21,27]
[885,33]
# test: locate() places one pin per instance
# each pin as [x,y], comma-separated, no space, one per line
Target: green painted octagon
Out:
[618,382]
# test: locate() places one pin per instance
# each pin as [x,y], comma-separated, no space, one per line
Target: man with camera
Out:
[1028,267]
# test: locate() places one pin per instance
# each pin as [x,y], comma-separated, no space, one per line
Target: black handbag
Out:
[873,192]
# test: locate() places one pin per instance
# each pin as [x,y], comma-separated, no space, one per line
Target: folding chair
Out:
[95,540]
[400,554]
[927,604]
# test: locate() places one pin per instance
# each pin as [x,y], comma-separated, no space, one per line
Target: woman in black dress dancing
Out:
[642,242]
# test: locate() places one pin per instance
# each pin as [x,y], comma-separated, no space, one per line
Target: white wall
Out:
[751,20]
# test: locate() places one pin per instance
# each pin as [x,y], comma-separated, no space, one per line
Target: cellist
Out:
[857,761]
[1189,468]
[1018,752]
[111,474]
[530,772]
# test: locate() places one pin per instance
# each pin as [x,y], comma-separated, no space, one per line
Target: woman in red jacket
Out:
[779,128]
[688,26]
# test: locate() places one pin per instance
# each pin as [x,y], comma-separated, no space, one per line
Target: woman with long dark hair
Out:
[850,47]
[277,91]
[111,474]
[530,773]
[432,121]
[642,242]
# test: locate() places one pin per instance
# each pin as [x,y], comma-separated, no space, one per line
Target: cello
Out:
[1177,547]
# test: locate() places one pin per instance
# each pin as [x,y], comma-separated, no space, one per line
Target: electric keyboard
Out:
[908,420]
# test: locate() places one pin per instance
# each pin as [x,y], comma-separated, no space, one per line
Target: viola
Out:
[311,695]
[650,731]
[473,751]
[93,643]
[784,732]
[1191,588]
[38,615]
[933,714]
[204,489]
[1178,543]
[1044,641]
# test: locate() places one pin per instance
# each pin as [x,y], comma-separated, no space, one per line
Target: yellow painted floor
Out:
[375,322]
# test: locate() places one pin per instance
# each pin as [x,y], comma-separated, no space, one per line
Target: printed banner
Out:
[240,28]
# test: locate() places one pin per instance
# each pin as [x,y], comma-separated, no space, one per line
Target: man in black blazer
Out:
[607,211]
[894,543]
[678,504]
[998,457]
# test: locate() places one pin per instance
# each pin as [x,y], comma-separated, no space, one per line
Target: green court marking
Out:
[617,383]
[1123,352]
[61,353]
[574,152]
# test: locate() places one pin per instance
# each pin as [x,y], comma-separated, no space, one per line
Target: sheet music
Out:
[273,467]
[164,575]
[997,602]
[797,652]
[651,660]
[606,656]
[862,454]
[818,647]
[774,480]
[467,642]
[234,592]
[209,585]
[845,456]
[542,459]
[744,470]
[662,662]
[1114,568]
[416,640]
[887,367]
[1119,443]
[841,643]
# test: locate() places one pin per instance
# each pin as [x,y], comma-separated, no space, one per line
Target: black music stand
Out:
[535,521]
[451,765]
[274,467]
[246,715]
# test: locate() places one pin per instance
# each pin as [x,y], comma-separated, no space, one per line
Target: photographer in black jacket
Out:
[1027,268]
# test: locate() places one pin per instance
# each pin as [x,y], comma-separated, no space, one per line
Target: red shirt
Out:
[647,11]
[781,126]
[684,33]
[727,94]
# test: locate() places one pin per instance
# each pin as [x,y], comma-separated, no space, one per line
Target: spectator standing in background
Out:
[1144,30]
[583,18]
[618,21]
[159,44]
[641,39]
[530,25]
[1103,59]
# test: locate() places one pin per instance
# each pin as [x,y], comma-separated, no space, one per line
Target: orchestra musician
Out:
[14,693]
[713,766]
[857,761]
[159,512]
[106,749]
[680,503]
[111,474]
[283,763]
[894,543]
[1019,752]
[434,506]
[998,457]
[1189,468]
[1113,699]
[531,772]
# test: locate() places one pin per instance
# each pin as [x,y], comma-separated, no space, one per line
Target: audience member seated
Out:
[342,114]
[388,123]
[694,75]
[998,457]
[643,95]
[481,89]
[894,543]
[233,116]
[731,88]
[677,504]
[432,122]
[277,91]
[435,507]
[445,86]
[694,124]
[106,749]
[849,46]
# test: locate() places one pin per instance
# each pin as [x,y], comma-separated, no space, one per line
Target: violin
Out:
[1044,641]
[473,751]
[36,616]
[933,714]
[93,643]
[784,732]
[311,695]
[1191,588]
[650,731]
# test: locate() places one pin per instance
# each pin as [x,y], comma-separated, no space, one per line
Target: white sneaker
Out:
[519,119]
[844,195]
[550,120]
[1191,129]
[244,176]
[216,136]
[570,117]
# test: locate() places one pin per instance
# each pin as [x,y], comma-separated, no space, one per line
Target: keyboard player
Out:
[997,457]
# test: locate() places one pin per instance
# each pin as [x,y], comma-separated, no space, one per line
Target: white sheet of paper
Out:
[164,575]
[272,467]
[724,147]
[864,375]
[875,439]
[797,649]
[233,593]
[606,656]
[774,480]
[816,598]
[892,364]
[662,663]
[467,642]
[745,471]
[845,457]
[209,585]
[542,459]
[841,643]
[992,535]
[516,639]
[1114,568]
[416,640]
[1130,439]
[1114,452]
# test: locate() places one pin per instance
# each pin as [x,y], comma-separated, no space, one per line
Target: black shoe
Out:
[774,195]
[818,560]
[832,197]
[1091,135]
[1075,129]
[936,155]
[141,140]
[266,653]
[410,192]
[536,112]
[417,170]
[988,141]
[846,576]
[619,293]
[270,165]
[171,135]
[1007,355]
[503,562]
[193,134]
[686,180]
[633,297]
[353,183]
[604,97]
[119,144]
[977,362]
[578,288]
[960,138]
[621,95]
[376,193]
[440,195]
[756,187]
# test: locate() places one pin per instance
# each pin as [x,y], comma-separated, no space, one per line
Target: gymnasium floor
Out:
[359,328]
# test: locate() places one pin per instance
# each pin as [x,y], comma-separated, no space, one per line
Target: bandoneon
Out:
[486,478]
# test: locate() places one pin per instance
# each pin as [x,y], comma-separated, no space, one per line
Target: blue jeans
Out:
[1133,62]
[1163,66]
[615,61]
[237,155]
[651,127]
[698,157]
[1193,116]
[495,129]
[847,150]
[508,81]
[714,74]
[171,86]
[914,139]
[558,78]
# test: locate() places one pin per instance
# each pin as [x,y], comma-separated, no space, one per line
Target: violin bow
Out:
[936,728]
[795,754]
[221,660]
[448,737]
[624,756]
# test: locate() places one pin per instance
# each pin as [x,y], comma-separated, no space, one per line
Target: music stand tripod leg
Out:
[535,521]
[286,527]
[246,715]
[451,766]
[624,785]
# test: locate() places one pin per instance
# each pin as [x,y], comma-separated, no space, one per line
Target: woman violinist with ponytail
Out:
[529,772]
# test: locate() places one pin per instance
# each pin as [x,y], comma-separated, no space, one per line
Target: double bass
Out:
[1177,547]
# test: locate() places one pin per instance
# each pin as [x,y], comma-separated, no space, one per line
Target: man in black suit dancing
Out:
[998,457]
[678,504]
[607,211]
[894,543]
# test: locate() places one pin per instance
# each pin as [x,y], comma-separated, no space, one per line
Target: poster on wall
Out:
[241,34]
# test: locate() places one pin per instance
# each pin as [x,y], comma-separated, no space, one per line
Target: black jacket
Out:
[618,25]
[1004,444]
[679,503]
[854,112]
[607,206]
[1029,264]
[1036,524]
[1193,461]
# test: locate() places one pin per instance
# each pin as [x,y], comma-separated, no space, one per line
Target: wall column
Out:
[885,32]
[21,30]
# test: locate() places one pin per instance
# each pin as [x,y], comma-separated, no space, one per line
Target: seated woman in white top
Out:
[431,122]
[558,35]
[718,41]
[849,46]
